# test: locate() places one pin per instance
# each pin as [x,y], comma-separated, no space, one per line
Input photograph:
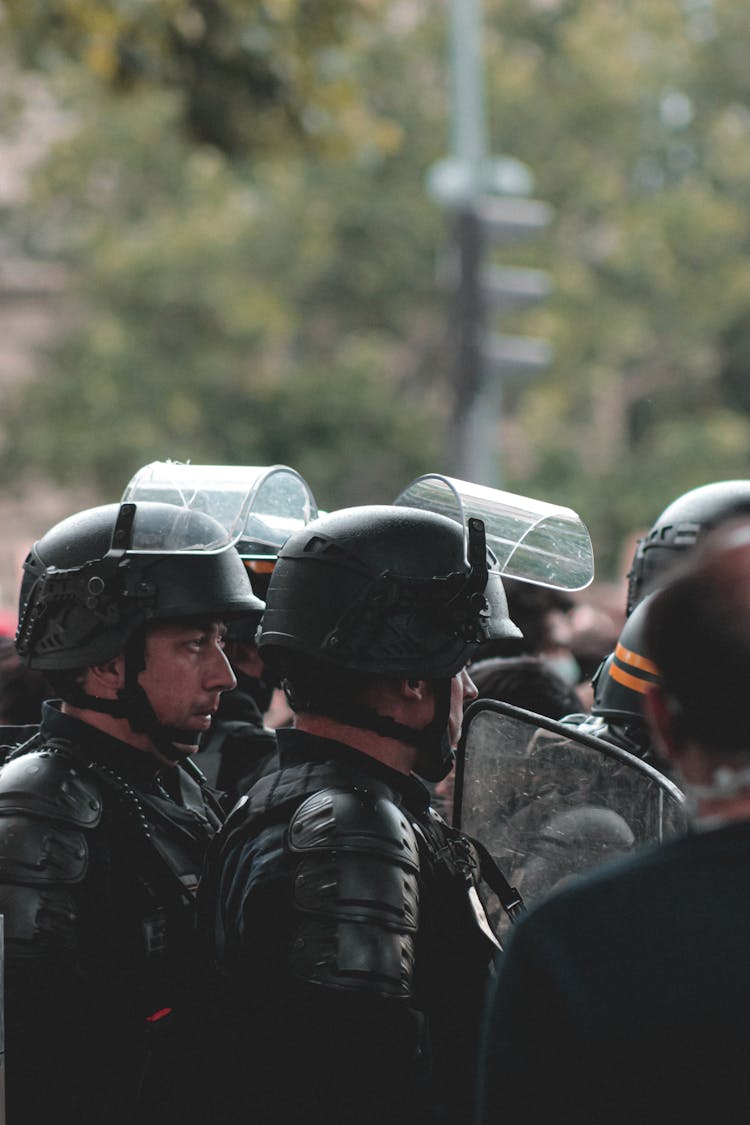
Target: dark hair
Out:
[528,682]
[313,685]
[698,634]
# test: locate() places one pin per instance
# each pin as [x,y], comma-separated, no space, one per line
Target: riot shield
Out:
[549,802]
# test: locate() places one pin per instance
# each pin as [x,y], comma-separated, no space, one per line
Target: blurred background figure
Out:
[568,633]
[526,681]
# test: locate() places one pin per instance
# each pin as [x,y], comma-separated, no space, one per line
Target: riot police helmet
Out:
[621,684]
[83,595]
[94,582]
[677,529]
[387,591]
[382,592]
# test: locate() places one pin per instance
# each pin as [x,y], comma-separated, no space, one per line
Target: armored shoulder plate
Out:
[356,891]
[46,807]
[47,784]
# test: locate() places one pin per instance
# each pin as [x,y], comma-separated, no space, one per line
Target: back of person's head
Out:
[698,633]
[528,682]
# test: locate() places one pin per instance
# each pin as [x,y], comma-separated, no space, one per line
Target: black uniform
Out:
[349,942]
[100,854]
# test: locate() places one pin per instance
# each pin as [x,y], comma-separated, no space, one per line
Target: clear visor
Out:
[258,506]
[152,528]
[533,541]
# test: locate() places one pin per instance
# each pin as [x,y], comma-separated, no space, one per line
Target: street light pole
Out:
[477,405]
[487,199]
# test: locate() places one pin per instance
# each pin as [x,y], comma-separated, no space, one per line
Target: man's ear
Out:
[105,680]
[413,689]
[662,720]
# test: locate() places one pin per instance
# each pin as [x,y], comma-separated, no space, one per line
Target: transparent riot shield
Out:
[549,802]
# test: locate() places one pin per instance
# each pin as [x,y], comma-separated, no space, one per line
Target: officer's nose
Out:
[468,687]
[220,676]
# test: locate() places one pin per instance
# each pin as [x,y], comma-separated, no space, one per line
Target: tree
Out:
[272,296]
[642,147]
[224,313]
[248,75]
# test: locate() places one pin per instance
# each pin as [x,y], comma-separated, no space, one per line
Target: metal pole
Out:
[469,130]
[475,414]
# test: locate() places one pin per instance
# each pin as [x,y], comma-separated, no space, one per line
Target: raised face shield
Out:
[536,542]
[258,506]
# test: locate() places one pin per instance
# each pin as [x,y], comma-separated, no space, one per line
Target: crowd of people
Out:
[232,880]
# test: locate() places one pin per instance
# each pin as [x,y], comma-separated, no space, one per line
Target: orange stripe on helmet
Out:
[629,681]
[627,656]
[260,566]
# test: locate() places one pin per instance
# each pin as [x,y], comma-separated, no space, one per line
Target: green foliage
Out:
[220,315]
[249,74]
[239,200]
[635,120]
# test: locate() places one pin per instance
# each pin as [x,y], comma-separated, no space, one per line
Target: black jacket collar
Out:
[296,746]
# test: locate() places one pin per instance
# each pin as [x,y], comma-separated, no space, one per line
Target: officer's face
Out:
[186,672]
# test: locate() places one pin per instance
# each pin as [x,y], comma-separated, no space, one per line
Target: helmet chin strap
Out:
[435,755]
[140,714]
[133,704]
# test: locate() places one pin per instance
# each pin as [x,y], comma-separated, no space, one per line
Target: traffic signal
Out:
[504,289]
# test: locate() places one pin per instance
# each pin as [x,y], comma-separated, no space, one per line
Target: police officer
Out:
[263,504]
[103,822]
[678,528]
[352,945]
[621,684]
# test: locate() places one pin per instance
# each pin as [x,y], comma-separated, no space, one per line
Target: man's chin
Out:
[184,749]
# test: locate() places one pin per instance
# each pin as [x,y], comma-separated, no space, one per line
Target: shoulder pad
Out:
[47,784]
[356,892]
[354,820]
[35,851]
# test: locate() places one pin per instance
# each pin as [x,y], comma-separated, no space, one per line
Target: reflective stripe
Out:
[627,656]
[629,681]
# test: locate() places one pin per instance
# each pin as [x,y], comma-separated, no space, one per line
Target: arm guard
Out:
[356,892]
[46,807]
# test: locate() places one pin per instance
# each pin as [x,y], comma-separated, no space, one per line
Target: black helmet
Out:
[97,576]
[678,527]
[387,591]
[621,684]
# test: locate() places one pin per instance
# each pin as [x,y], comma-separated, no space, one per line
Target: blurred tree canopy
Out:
[249,75]
[252,257]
